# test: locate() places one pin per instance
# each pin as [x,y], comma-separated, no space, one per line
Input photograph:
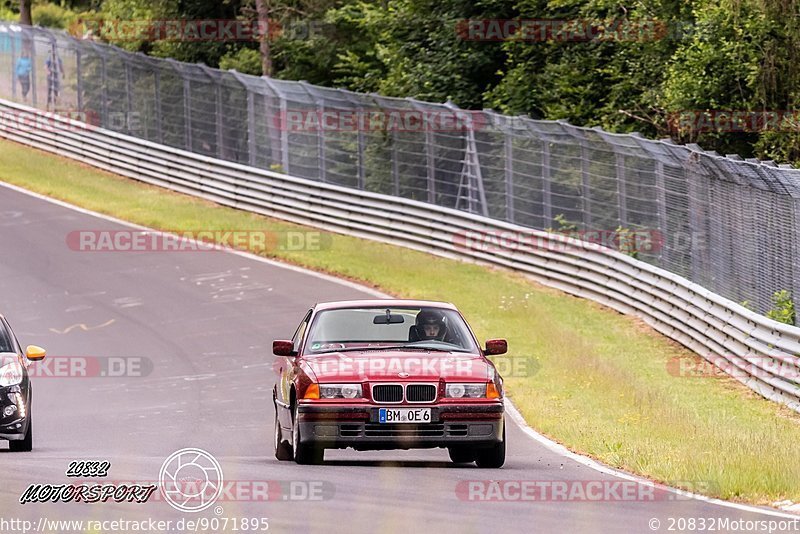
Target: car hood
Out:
[357,366]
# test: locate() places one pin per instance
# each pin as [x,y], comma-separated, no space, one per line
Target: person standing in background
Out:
[22,71]
[55,72]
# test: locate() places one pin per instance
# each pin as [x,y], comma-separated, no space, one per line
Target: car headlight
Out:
[465,391]
[10,375]
[340,391]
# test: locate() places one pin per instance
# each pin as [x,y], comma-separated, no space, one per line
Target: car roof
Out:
[380,303]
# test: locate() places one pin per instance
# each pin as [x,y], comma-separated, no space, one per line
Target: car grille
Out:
[429,430]
[387,393]
[420,393]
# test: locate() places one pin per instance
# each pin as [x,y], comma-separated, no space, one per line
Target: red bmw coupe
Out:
[388,374]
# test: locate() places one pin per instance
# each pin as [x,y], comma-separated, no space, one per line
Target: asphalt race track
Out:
[202,323]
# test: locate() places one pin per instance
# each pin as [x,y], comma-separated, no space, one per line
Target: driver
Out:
[431,325]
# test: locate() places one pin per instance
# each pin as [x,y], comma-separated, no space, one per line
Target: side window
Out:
[6,343]
[297,339]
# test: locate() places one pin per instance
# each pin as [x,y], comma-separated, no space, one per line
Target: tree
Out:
[263,12]
[25,13]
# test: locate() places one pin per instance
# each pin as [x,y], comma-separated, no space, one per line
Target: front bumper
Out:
[339,427]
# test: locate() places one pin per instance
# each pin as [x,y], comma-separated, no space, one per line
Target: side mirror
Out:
[34,353]
[496,346]
[282,347]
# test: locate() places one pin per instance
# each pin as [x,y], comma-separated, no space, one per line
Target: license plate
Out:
[404,415]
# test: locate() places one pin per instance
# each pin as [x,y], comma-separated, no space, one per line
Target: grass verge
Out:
[601,383]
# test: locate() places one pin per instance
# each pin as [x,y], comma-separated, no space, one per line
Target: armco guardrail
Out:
[761,353]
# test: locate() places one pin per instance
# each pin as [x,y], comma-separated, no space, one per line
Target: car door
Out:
[287,371]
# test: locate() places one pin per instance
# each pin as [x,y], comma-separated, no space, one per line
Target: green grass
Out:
[600,385]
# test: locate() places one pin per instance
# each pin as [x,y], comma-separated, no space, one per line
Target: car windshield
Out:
[358,329]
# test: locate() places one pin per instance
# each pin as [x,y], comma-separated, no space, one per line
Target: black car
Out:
[15,389]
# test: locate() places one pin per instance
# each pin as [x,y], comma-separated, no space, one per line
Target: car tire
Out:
[25,444]
[303,454]
[461,455]
[494,456]
[283,451]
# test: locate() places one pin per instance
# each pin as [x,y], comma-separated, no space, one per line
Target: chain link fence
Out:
[729,225]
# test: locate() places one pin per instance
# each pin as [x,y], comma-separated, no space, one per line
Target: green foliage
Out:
[52,16]
[7,12]
[671,56]
[244,60]
[564,225]
[627,242]
[783,310]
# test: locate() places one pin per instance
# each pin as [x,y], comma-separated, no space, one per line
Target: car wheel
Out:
[26,444]
[283,451]
[461,455]
[494,456]
[303,454]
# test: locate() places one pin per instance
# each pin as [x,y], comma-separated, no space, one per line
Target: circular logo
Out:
[190,480]
[403,375]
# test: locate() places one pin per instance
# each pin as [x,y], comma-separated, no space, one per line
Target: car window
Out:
[355,328]
[297,339]
[8,348]
[6,343]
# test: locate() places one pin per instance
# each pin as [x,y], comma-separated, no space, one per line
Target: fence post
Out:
[661,195]
[395,165]
[795,265]
[129,96]
[12,41]
[157,99]
[187,111]
[508,141]
[547,205]
[103,91]
[219,114]
[79,78]
[34,98]
[252,148]
[622,190]
[586,187]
